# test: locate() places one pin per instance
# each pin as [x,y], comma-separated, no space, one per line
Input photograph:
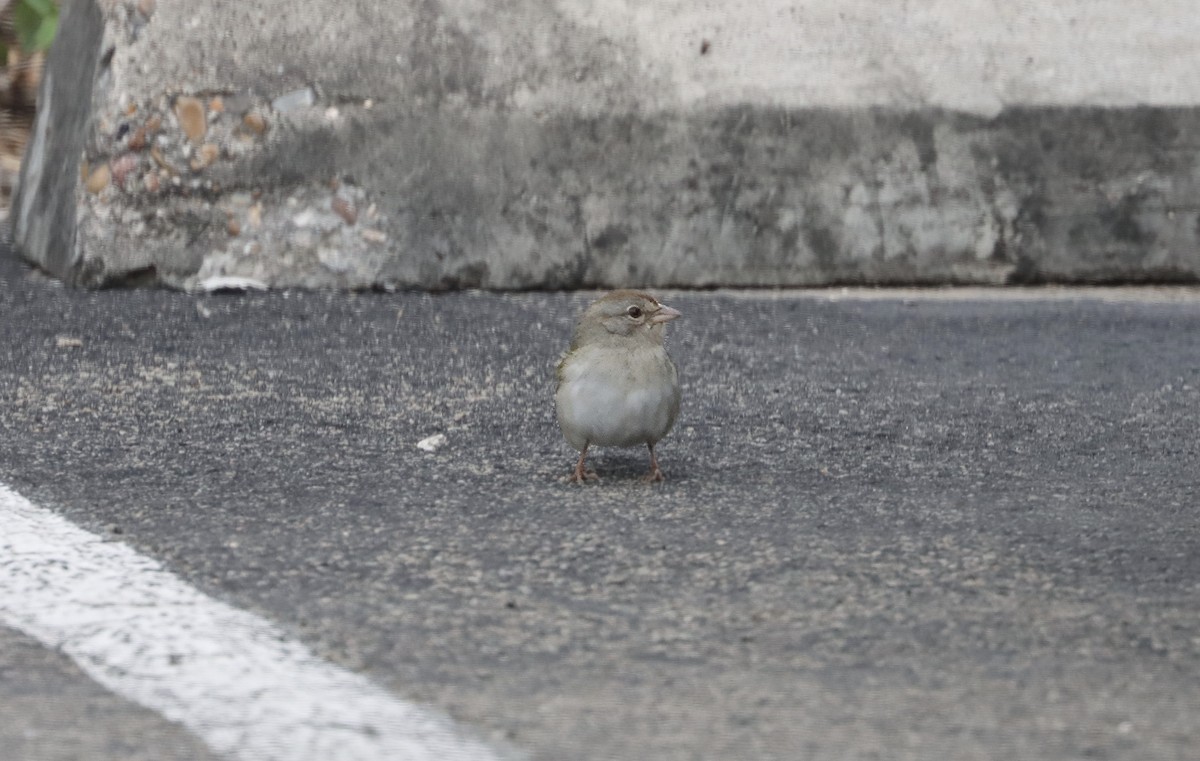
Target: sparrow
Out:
[617,387]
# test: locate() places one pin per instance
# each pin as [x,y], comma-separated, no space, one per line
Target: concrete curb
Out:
[420,152]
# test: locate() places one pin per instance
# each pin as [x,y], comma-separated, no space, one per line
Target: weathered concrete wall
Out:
[527,144]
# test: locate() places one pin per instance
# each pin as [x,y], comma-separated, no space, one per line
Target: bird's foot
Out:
[655,474]
[581,476]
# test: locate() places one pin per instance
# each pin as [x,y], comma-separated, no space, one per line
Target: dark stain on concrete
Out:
[769,196]
[918,126]
[1122,221]
[612,236]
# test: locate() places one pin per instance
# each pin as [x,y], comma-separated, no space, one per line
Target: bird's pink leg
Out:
[580,474]
[655,473]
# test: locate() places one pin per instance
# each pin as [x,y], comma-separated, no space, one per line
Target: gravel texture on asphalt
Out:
[900,528]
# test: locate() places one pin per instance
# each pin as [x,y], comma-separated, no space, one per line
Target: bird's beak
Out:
[665,314]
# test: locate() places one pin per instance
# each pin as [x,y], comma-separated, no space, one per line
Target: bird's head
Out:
[630,315]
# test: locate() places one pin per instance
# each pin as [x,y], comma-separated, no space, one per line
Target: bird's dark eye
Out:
[634,312]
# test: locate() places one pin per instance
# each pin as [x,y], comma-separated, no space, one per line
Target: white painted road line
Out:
[234,679]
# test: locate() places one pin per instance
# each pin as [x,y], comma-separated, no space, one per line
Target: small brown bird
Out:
[617,387]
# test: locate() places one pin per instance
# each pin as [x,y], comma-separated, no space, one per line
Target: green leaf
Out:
[35,22]
[42,8]
[45,33]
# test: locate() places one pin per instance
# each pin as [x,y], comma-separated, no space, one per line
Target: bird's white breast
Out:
[617,397]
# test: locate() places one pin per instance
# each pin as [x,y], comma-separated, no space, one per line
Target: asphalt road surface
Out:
[959,526]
